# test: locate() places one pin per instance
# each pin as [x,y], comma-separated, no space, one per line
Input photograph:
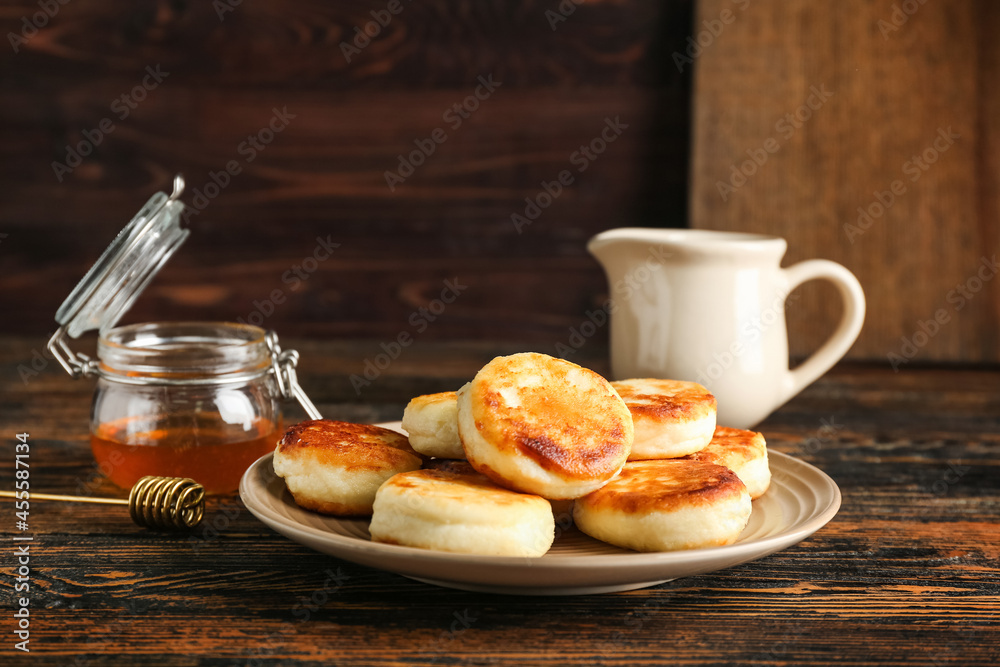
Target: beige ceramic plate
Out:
[800,501]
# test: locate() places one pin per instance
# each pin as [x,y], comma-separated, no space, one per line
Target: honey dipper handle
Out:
[74,499]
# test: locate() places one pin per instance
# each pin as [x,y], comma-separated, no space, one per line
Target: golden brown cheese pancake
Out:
[665,505]
[431,422]
[672,418]
[461,512]
[743,452]
[336,467]
[542,425]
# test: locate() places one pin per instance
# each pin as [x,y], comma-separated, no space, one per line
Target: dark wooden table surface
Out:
[908,573]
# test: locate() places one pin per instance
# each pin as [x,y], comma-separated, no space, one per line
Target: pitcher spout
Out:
[614,245]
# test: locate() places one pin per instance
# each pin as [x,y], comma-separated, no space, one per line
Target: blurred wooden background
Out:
[323,176]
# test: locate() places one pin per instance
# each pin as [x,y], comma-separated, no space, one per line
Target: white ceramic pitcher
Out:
[709,307]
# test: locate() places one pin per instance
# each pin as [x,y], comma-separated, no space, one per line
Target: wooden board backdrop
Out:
[323,175]
[898,72]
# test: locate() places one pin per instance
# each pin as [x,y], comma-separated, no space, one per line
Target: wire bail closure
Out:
[77,364]
[283,363]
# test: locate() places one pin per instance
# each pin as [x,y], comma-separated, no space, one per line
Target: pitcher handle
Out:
[847,330]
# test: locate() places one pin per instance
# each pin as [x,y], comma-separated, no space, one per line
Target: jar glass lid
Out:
[128,265]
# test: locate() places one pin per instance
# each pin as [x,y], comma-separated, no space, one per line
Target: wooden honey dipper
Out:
[163,503]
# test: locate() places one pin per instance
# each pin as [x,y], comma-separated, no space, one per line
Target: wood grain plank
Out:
[325,174]
[891,91]
[988,157]
[431,44]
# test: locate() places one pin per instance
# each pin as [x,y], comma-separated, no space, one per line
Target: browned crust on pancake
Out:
[665,485]
[731,446]
[352,446]
[577,433]
[729,435]
[419,479]
[687,402]
[430,399]
[552,454]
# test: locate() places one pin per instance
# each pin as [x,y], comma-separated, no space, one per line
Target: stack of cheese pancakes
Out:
[641,462]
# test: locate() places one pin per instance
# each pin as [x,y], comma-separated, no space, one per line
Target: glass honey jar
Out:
[180,399]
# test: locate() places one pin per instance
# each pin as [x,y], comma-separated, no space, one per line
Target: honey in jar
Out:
[192,399]
[213,454]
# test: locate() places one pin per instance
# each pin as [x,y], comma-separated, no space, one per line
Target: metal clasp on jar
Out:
[283,363]
[76,364]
